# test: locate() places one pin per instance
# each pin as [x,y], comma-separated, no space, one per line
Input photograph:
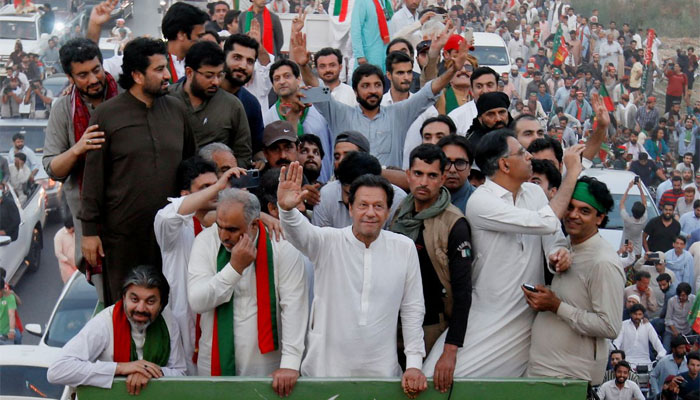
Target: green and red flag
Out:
[340,9]
[603,92]
[559,50]
[694,316]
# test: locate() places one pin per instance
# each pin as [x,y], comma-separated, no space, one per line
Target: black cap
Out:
[489,101]
[354,137]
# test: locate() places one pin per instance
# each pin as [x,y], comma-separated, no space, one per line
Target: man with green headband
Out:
[443,241]
[583,305]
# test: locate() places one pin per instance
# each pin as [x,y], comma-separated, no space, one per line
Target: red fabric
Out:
[122,334]
[381,19]
[215,362]
[171,68]
[343,10]
[267,34]
[81,119]
[197,226]
[579,110]
[676,83]
[266,338]
[197,335]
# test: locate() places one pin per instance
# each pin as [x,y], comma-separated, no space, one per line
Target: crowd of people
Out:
[242,211]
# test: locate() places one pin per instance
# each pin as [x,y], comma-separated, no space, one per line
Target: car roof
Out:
[24,122]
[616,180]
[488,39]
[9,11]
[29,355]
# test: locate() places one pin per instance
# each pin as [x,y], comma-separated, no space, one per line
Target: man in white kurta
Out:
[208,289]
[511,233]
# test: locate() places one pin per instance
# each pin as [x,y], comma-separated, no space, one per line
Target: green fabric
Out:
[249,15]
[388,11]
[450,100]
[410,225]
[7,303]
[688,135]
[273,295]
[156,349]
[224,316]
[582,193]
[300,123]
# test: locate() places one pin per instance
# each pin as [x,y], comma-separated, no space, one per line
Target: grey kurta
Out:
[130,178]
[571,343]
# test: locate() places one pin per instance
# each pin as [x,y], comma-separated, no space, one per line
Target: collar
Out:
[499,190]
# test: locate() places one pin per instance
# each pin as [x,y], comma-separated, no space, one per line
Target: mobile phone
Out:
[248,181]
[627,242]
[316,95]
[636,180]
[529,287]
[653,256]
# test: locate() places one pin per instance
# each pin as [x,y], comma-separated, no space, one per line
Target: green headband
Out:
[581,193]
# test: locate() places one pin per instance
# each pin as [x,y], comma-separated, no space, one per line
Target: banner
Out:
[340,16]
[559,50]
[648,70]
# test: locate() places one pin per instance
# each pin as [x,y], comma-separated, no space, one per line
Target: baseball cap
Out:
[661,257]
[355,138]
[278,130]
[453,42]
[531,65]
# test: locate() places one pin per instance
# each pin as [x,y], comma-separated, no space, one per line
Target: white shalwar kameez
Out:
[510,241]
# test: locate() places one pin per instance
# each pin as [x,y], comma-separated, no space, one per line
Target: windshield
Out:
[490,55]
[614,218]
[21,380]
[33,136]
[73,312]
[17,30]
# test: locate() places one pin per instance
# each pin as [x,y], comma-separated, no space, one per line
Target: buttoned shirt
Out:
[677,314]
[402,18]
[645,116]
[359,294]
[32,161]
[261,84]
[344,94]
[682,265]
[635,342]
[665,367]
[463,116]
[387,131]
[610,391]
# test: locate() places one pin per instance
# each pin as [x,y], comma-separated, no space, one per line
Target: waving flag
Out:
[559,51]
[694,316]
[603,92]
[340,17]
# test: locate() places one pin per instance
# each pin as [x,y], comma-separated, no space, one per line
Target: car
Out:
[25,251]
[617,182]
[74,308]
[56,83]
[34,131]
[491,51]
[124,8]
[15,26]
[23,373]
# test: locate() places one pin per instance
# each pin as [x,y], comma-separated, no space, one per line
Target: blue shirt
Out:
[460,197]
[682,266]
[665,367]
[689,223]
[254,114]
[546,102]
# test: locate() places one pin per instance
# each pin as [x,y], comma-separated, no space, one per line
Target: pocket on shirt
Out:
[380,143]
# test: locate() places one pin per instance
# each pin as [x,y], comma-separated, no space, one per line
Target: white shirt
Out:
[509,240]
[179,66]
[610,391]
[175,235]
[208,289]
[344,94]
[463,116]
[33,162]
[413,138]
[402,18]
[635,342]
[260,84]
[358,295]
[88,358]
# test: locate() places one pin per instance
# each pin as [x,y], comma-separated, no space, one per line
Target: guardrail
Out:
[353,389]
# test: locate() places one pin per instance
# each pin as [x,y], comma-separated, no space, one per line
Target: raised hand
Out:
[461,58]
[100,14]
[298,22]
[601,112]
[297,49]
[254,31]
[289,192]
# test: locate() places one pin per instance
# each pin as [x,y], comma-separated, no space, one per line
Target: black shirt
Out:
[646,172]
[460,263]
[661,237]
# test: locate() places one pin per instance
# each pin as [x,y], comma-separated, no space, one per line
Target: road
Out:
[40,290]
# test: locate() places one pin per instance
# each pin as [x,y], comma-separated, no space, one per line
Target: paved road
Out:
[40,290]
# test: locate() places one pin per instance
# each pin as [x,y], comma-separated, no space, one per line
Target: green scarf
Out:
[450,100]
[410,225]
[157,346]
[302,118]
[688,135]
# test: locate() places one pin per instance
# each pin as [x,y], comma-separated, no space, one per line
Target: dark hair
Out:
[356,163]
[136,54]
[428,153]
[563,118]
[68,222]
[663,277]
[683,287]
[182,17]
[483,71]
[327,51]
[284,62]
[492,147]
[231,15]
[396,57]
[665,203]
[269,181]
[78,51]
[363,71]
[693,355]
[371,180]
[676,179]
[547,168]
[638,209]
[637,307]
[440,118]
[641,274]
[620,352]
[241,40]
[204,53]
[17,136]
[404,41]
[623,363]
[545,143]
[460,141]
[216,36]
[681,237]
[149,277]
[313,139]
[190,169]
[21,156]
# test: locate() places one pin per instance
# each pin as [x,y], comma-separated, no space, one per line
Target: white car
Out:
[23,373]
[617,182]
[15,26]
[15,255]
[491,51]
[74,308]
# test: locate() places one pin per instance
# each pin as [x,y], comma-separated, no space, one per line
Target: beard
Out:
[620,380]
[666,218]
[140,326]
[235,81]
[155,90]
[96,95]
[199,91]
[311,172]
[365,103]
